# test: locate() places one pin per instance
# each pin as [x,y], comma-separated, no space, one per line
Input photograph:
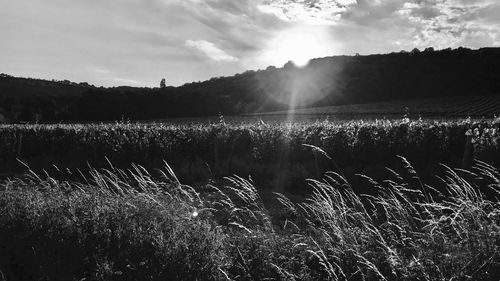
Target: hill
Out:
[362,79]
[441,107]
[330,81]
[28,87]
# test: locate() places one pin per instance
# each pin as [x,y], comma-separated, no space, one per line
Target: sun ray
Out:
[299,45]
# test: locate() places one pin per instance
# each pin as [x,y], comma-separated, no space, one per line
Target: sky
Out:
[139,42]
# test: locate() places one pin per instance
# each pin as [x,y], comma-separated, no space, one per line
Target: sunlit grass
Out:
[129,225]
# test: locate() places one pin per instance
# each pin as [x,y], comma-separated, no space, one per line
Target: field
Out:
[265,151]
[100,202]
[442,107]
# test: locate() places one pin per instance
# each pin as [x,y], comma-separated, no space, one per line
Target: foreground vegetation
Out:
[129,225]
[266,151]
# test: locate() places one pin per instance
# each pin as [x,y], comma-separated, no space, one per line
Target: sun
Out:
[299,45]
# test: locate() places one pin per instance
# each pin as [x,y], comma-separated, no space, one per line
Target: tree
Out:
[162,83]
[289,65]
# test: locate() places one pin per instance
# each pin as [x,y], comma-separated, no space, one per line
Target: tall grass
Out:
[116,224]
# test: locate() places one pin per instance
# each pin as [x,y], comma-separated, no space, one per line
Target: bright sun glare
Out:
[299,46]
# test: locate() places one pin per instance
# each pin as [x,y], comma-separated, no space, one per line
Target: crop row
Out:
[258,149]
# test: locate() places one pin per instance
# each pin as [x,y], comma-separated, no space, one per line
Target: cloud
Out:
[451,23]
[489,14]
[425,11]
[405,24]
[370,26]
[313,12]
[127,81]
[102,71]
[147,40]
[210,50]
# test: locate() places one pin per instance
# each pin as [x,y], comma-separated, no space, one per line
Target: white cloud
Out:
[102,71]
[312,12]
[210,50]
[127,81]
[146,40]
[451,23]
[273,10]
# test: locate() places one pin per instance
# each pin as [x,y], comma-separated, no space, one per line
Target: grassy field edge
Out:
[127,225]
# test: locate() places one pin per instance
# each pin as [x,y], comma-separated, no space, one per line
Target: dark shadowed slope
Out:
[28,87]
[324,82]
[442,107]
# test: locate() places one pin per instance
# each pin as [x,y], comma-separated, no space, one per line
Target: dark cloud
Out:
[426,12]
[368,12]
[489,14]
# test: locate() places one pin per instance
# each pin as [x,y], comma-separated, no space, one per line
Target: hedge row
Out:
[258,149]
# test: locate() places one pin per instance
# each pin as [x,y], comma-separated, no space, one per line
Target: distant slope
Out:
[359,79]
[27,87]
[474,106]
[324,82]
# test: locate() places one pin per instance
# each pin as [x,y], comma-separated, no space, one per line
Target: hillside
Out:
[365,79]
[27,87]
[329,81]
[473,106]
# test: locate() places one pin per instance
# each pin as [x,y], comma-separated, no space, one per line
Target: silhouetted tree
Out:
[162,83]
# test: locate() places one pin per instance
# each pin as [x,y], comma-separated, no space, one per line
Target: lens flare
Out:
[299,45]
[301,82]
[299,87]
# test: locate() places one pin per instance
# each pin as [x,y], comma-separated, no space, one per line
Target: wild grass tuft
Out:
[115,224]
